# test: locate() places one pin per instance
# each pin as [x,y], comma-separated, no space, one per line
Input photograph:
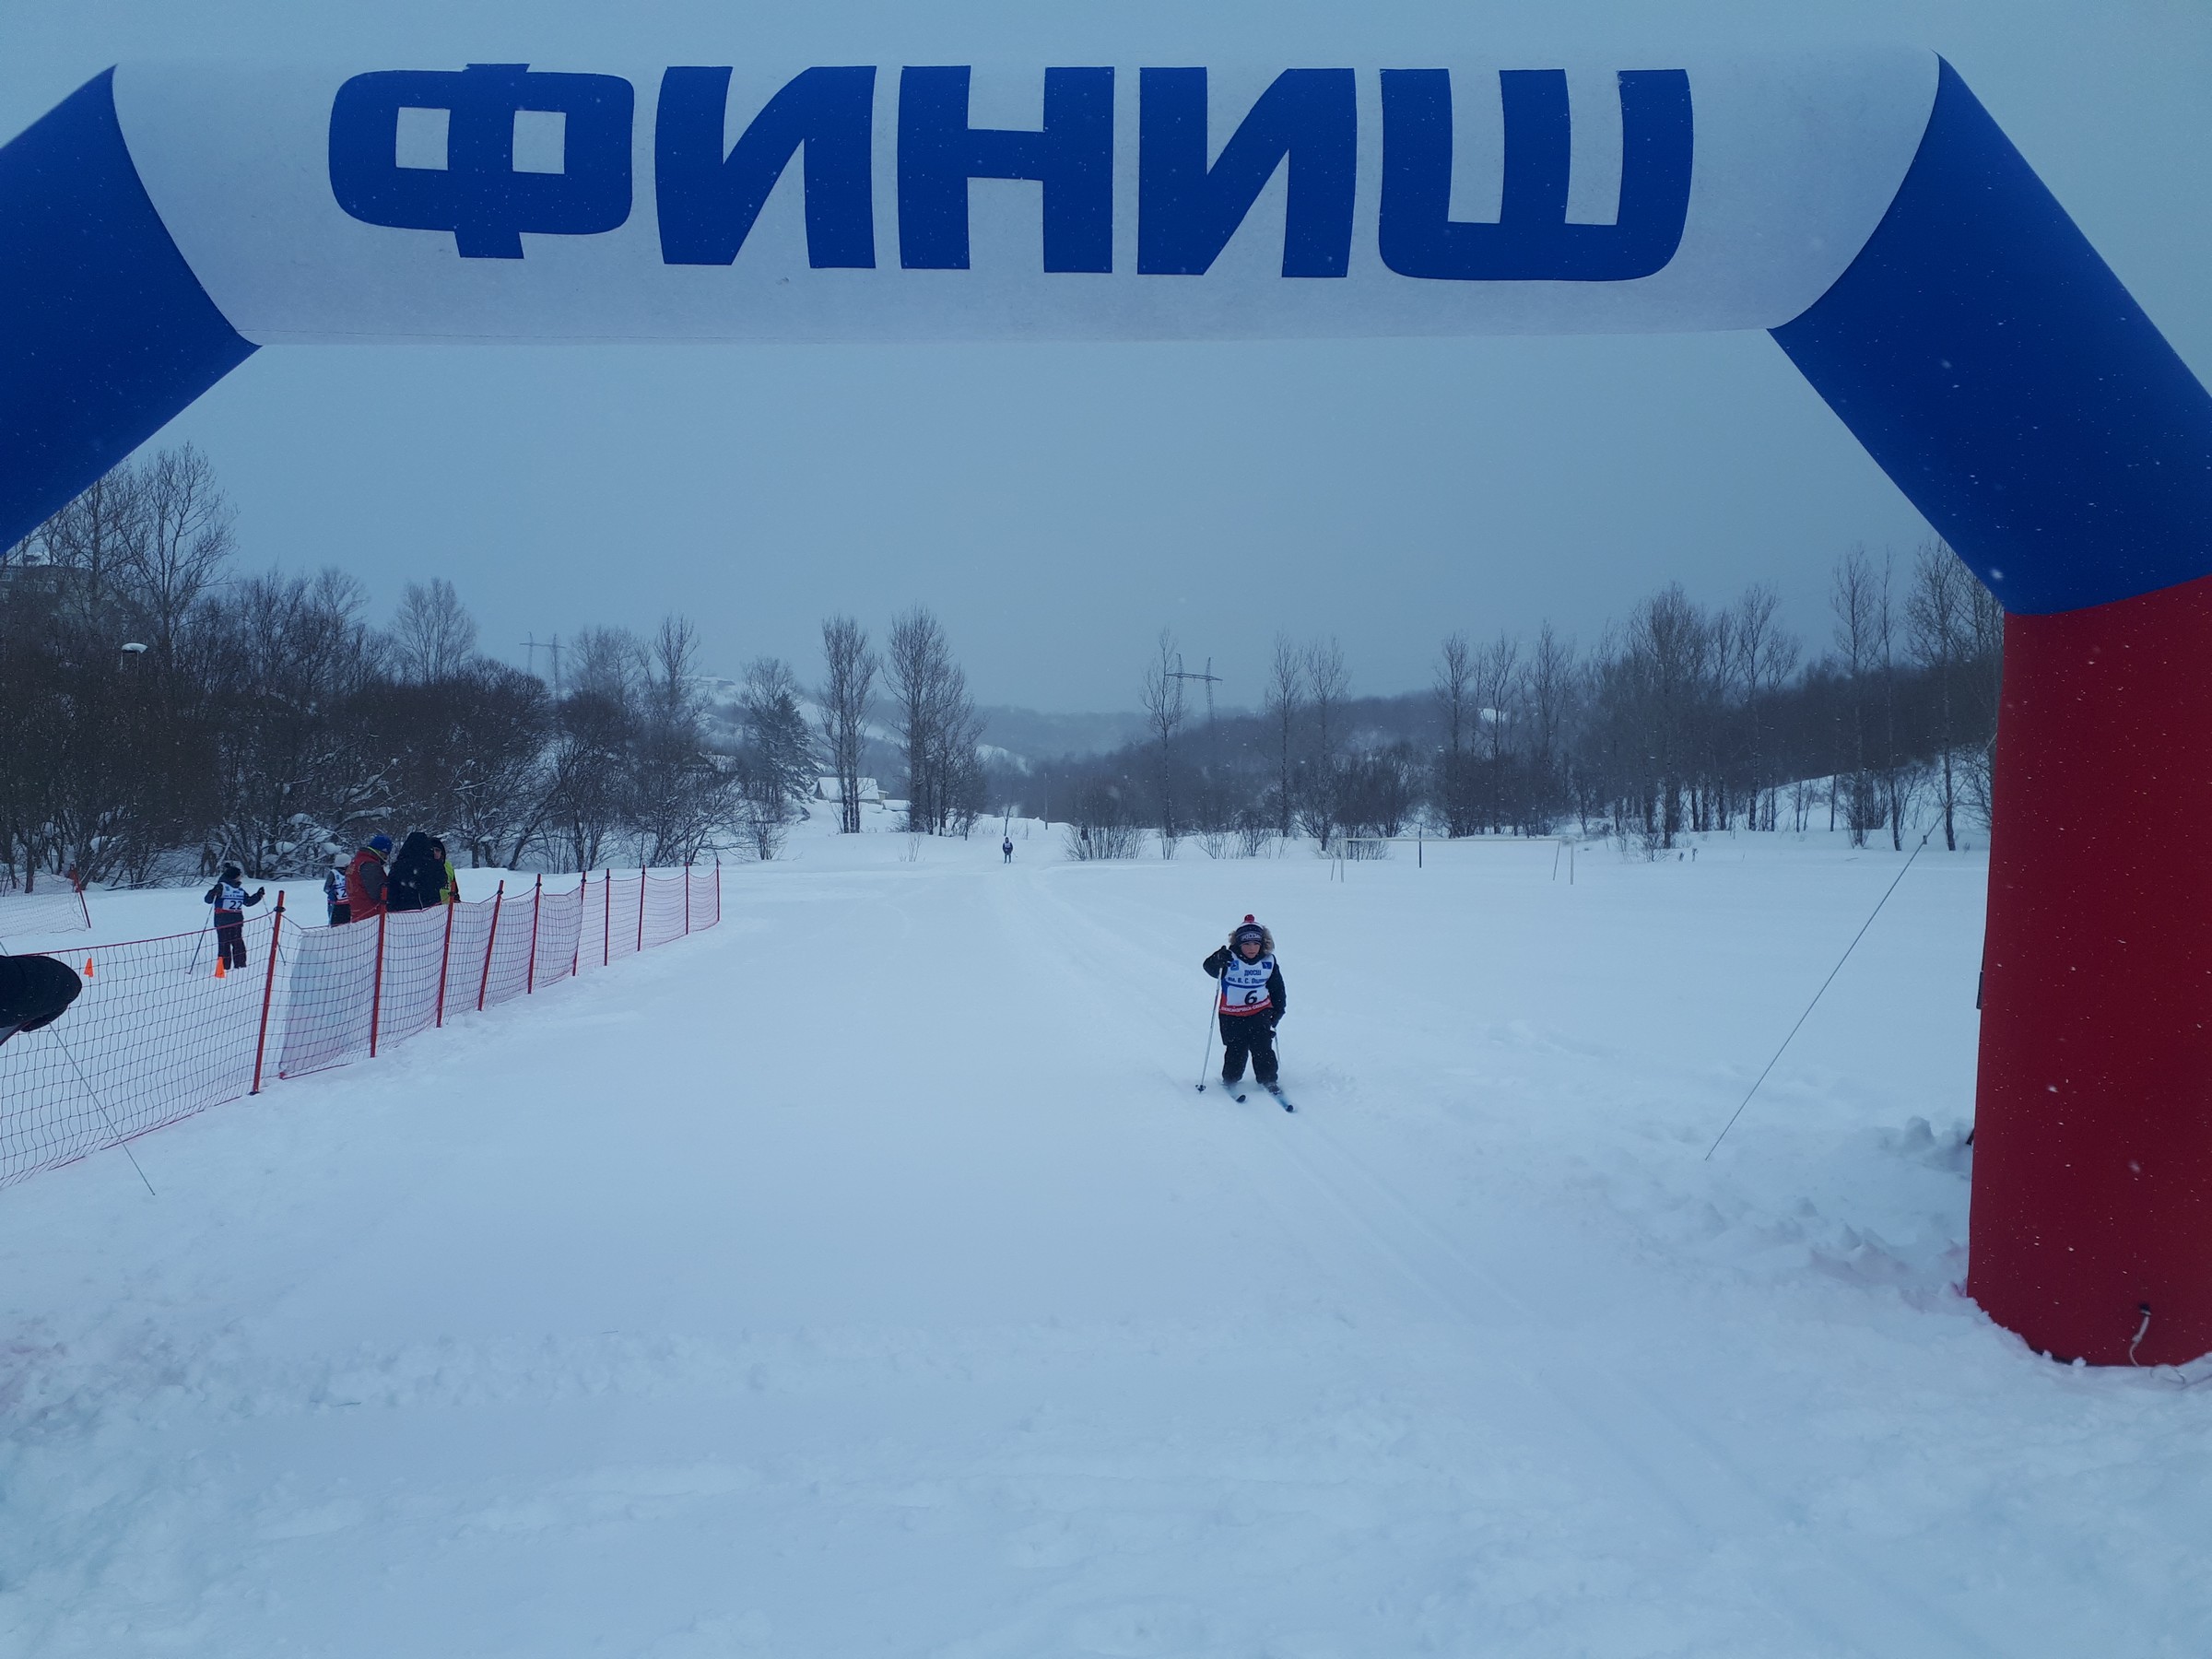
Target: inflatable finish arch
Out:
[163,223]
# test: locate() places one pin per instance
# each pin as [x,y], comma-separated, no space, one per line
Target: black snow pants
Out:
[231,937]
[1244,1035]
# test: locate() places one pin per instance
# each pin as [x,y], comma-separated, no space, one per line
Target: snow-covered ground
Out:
[865,1276]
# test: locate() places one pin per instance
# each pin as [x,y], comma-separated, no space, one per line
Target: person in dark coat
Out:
[418,878]
[35,991]
[230,898]
[334,894]
[1252,1003]
[365,879]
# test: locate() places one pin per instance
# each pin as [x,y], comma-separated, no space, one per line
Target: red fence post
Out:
[640,907]
[376,997]
[445,955]
[584,891]
[530,974]
[268,990]
[606,920]
[491,938]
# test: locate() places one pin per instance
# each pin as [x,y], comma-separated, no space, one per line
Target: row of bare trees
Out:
[934,724]
[1683,718]
[160,711]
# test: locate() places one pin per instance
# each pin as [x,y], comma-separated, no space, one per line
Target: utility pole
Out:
[533,645]
[1209,676]
[1213,758]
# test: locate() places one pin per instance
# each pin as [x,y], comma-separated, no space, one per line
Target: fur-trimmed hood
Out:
[1267,937]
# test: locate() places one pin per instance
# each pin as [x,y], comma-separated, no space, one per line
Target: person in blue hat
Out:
[365,878]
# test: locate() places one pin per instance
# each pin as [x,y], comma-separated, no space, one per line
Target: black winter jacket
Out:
[417,875]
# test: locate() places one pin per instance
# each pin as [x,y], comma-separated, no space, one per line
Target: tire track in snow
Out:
[1688,1481]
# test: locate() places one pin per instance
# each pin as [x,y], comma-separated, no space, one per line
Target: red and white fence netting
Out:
[58,907]
[156,1035]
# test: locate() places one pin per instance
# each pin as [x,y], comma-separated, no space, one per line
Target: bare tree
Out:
[1548,685]
[679,791]
[609,663]
[1165,713]
[1766,657]
[1897,774]
[1938,612]
[1285,698]
[1328,685]
[937,726]
[1857,603]
[1497,697]
[1664,681]
[848,697]
[182,539]
[1452,687]
[433,636]
[96,537]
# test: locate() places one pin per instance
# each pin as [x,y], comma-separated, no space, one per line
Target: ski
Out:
[1233,1090]
[1281,1099]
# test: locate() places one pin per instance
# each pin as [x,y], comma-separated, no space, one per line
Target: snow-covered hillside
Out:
[866,1278]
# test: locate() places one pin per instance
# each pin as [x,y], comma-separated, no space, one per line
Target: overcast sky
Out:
[1058,504]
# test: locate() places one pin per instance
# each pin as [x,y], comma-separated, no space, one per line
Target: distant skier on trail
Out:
[230,898]
[1252,1003]
[1006,850]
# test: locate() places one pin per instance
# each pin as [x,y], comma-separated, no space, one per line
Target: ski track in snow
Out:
[867,1276]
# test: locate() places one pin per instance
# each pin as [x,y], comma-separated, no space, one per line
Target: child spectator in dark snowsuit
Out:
[1252,1003]
[230,899]
[334,894]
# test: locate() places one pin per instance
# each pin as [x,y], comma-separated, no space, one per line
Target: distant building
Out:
[830,789]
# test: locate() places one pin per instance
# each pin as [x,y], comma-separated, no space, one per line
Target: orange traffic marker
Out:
[87,967]
[221,971]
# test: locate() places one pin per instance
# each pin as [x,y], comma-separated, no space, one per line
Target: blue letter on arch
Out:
[708,202]
[478,195]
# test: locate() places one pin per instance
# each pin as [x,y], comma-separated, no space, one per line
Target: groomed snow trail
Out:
[867,1276]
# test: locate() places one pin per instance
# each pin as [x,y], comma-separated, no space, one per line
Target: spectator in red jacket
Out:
[365,878]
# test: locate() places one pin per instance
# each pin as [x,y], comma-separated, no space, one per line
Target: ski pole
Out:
[1206,1054]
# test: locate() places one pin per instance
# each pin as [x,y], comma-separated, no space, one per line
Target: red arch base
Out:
[2093,1147]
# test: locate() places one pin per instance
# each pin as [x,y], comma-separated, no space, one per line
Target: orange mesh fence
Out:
[664,911]
[55,908]
[156,1036]
[560,934]
[506,967]
[329,995]
[614,929]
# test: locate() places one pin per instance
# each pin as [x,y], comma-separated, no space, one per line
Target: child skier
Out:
[230,898]
[1252,1003]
